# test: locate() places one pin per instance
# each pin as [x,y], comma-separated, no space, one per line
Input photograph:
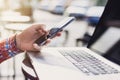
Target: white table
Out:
[16,28]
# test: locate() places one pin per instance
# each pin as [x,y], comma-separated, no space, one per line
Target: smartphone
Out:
[59,27]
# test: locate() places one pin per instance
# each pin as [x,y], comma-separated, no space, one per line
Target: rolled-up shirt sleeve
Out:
[8,48]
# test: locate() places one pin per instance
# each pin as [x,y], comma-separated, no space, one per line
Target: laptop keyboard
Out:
[87,63]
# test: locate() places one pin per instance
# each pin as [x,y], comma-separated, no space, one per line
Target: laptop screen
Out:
[107,40]
[103,37]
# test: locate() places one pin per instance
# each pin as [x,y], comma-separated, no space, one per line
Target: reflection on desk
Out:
[15,19]
[15,28]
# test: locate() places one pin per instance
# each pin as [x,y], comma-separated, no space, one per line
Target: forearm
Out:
[8,48]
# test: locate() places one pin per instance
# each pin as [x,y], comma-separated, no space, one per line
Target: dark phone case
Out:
[41,39]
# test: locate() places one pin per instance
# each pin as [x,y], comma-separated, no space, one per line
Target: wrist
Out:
[18,42]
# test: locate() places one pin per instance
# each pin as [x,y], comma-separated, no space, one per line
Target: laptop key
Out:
[87,63]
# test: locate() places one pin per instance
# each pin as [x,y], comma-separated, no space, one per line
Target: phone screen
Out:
[59,27]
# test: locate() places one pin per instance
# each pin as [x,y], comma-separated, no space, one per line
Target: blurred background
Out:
[16,15]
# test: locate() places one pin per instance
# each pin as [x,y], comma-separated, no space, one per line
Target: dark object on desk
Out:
[58,9]
[84,40]
[93,15]
[27,75]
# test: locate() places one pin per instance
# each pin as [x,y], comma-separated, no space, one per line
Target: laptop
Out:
[77,63]
[81,63]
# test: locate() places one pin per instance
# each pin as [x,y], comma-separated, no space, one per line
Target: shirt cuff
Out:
[11,46]
[8,48]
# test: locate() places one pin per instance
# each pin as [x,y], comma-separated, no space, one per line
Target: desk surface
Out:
[49,66]
[15,18]
[17,27]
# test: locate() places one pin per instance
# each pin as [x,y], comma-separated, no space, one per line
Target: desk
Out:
[15,19]
[51,65]
[12,16]
[45,71]
[16,27]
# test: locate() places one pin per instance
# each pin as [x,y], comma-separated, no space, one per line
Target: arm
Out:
[8,48]
[21,42]
[25,41]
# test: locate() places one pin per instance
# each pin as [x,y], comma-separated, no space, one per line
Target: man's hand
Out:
[26,39]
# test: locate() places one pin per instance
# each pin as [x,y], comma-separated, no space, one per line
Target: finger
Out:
[36,47]
[47,42]
[41,32]
[58,34]
[40,27]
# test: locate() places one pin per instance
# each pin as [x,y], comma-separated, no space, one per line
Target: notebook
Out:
[78,63]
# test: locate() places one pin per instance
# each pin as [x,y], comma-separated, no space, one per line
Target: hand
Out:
[26,39]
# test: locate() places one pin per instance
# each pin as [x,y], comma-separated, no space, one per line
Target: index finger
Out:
[40,26]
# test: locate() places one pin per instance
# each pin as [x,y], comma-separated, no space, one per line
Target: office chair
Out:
[87,36]
[84,40]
